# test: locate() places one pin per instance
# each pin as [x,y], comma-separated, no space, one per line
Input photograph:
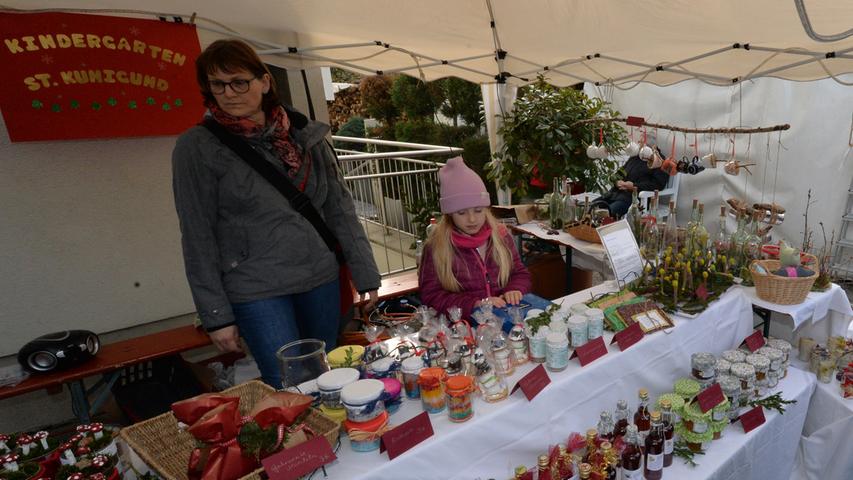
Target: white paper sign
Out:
[622,250]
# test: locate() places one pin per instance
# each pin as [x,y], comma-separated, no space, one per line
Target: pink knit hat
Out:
[461,187]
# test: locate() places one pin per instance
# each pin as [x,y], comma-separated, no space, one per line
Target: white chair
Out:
[669,193]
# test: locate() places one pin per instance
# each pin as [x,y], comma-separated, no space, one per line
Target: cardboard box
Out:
[519,213]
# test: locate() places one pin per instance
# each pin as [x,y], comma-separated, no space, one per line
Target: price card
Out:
[300,460]
[590,351]
[710,397]
[533,383]
[752,419]
[629,336]
[754,341]
[405,436]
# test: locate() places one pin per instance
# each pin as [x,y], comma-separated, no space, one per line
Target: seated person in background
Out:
[469,256]
[637,176]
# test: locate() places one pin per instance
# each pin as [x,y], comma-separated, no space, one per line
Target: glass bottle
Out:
[691,226]
[651,231]
[738,242]
[585,470]
[520,471]
[653,455]
[632,457]
[607,465]
[555,205]
[641,417]
[605,426]
[544,470]
[566,467]
[721,244]
[568,210]
[668,431]
[670,232]
[701,233]
[753,241]
[633,217]
[621,418]
[591,450]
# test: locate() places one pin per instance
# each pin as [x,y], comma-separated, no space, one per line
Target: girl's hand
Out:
[512,297]
[496,301]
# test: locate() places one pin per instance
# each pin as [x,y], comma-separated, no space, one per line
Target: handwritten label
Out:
[710,397]
[635,121]
[752,419]
[406,435]
[590,351]
[533,383]
[629,336]
[754,341]
[300,460]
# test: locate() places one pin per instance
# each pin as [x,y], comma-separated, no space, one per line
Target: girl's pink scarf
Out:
[462,240]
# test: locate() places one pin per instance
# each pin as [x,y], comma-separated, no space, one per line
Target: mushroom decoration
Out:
[97,429]
[76,476]
[75,438]
[100,461]
[41,436]
[97,476]
[25,442]
[68,457]
[3,439]
[10,462]
[83,450]
[83,429]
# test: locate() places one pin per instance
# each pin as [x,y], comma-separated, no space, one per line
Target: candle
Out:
[806,346]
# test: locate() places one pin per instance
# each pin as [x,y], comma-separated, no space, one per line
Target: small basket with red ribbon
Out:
[224,436]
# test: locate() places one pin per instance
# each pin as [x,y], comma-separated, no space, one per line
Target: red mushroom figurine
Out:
[83,450]
[41,436]
[10,462]
[68,457]
[25,442]
[3,439]
[97,429]
[97,476]
[100,461]
[83,429]
[76,476]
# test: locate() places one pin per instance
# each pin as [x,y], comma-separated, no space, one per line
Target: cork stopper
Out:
[543,461]
[722,210]
[655,415]
[644,394]
[695,202]
[701,208]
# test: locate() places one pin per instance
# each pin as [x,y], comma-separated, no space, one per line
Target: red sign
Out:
[533,383]
[635,121]
[754,341]
[753,418]
[68,76]
[710,397]
[629,336]
[590,351]
[297,461]
[406,435]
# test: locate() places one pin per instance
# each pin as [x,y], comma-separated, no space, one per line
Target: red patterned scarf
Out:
[286,148]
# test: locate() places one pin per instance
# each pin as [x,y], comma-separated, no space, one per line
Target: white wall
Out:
[816,153]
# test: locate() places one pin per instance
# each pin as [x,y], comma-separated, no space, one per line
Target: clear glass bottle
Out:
[738,244]
[670,232]
[753,241]
[633,217]
[621,418]
[651,243]
[606,426]
[518,342]
[721,243]
[642,419]
[491,385]
[691,226]
[668,430]
[632,457]
[700,237]
[568,209]
[555,205]
[653,454]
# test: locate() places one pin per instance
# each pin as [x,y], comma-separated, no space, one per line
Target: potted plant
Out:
[542,140]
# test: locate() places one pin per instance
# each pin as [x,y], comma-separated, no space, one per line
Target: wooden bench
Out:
[108,362]
[397,286]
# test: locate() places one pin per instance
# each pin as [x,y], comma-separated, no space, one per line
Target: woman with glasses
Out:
[256,267]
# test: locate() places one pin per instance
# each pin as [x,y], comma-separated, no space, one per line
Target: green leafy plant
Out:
[542,139]
[773,402]
[543,319]
[422,208]
[680,449]
[376,98]
[416,99]
[462,99]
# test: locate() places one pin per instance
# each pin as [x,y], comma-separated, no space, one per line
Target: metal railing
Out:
[384,186]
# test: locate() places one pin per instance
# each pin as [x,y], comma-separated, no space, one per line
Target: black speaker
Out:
[56,351]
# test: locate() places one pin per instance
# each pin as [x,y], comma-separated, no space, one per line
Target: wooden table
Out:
[108,362]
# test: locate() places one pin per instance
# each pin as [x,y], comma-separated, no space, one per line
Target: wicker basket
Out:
[584,232]
[783,290]
[166,448]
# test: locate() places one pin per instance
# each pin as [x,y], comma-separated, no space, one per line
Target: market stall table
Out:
[572,402]
[826,446]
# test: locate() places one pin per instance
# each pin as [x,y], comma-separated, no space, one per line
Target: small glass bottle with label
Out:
[621,418]
[654,451]
[641,417]
[668,431]
[632,457]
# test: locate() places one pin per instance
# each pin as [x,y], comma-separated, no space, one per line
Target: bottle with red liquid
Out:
[642,419]
[632,457]
[668,431]
[591,453]
[653,456]
[544,471]
[621,418]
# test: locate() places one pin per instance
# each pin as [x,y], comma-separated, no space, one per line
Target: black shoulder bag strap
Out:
[298,200]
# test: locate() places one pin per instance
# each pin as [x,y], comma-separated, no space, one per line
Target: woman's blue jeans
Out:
[267,325]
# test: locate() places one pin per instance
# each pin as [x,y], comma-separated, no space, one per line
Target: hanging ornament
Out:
[633,147]
[646,151]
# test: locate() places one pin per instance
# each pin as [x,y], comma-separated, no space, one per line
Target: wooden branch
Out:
[774,128]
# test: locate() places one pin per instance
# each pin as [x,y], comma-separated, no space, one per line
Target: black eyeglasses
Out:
[238,85]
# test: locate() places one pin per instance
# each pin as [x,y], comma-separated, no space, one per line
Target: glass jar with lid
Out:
[731,389]
[777,358]
[460,401]
[734,356]
[703,366]
[557,353]
[595,323]
[745,373]
[723,367]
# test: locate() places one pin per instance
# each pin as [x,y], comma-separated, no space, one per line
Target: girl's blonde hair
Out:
[443,252]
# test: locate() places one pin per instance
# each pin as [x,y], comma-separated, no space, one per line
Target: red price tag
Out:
[753,418]
[629,336]
[710,397]
[635,121]
[533,383]
[406,435]
[590,351]
[754,341]
[297,461]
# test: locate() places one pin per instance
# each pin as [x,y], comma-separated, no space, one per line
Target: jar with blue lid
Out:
[362,400]
[332,382]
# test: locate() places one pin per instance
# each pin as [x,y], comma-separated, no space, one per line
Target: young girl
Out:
[469,257]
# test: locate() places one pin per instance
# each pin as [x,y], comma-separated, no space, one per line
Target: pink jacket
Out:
[467,267]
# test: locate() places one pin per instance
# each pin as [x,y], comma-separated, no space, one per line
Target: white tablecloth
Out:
[814,310]
[826,447]
[586,255]
[514,431]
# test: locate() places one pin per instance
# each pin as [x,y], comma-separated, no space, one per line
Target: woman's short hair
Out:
[231,56]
